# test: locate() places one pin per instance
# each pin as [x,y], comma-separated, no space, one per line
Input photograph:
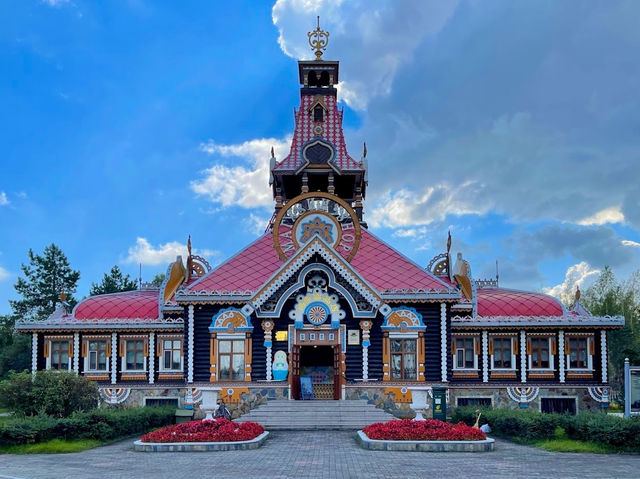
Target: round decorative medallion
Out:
[318,130]
[317,314]
[312,215]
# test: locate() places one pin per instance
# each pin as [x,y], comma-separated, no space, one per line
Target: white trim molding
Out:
[114,357]
[562,362]
[34,354]
[76,353]
[485,357]
[523,356]
[443,342]
[191,342]
[152,357]
[603,351]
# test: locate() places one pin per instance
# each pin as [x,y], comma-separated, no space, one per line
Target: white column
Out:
[443,342]
[190,356]
[523,356]
[34,353]
[365,363]
[76,353]
[152,357]
[269,364]
[365,327]
[114,357]
[485,357]
[603,351]
[561,359]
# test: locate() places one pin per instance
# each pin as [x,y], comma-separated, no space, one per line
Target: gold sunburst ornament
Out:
[318,39]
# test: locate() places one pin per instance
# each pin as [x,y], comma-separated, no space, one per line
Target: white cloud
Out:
[409,207]
[163,254]
[244,185]
[633,244]
[577,275]
[4,201]
[4,274]
[256,223]
[373,37]
[607,215]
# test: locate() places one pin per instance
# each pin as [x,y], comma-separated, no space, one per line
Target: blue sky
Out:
[130,124]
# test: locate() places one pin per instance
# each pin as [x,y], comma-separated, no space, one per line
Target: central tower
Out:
[318,160]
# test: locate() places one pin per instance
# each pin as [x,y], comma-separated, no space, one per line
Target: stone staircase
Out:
[316,414]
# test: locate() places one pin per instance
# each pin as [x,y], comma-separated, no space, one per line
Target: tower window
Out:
[318,114]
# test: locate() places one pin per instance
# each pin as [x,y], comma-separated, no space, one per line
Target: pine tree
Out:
[45,277]
[114,282]
[158,279]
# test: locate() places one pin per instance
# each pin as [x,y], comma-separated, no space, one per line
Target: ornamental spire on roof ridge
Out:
[318,40]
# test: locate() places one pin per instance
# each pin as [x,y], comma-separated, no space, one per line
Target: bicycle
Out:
[222,411]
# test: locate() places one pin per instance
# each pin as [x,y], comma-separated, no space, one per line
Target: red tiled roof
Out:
[304,132]
[380,265]
[506,302]
[126,305]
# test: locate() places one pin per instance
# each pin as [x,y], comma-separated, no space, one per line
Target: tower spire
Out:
[318,40]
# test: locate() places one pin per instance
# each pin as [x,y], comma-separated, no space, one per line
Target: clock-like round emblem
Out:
[312,215]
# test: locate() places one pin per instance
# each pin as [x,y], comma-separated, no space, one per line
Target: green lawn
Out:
[55,446]
[569,445]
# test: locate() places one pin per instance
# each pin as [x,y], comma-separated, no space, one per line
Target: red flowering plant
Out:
[429,430]
[218,430]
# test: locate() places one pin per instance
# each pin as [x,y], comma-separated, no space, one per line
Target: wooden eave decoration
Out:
[177,275]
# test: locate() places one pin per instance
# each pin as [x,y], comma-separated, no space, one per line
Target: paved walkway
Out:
[321,454]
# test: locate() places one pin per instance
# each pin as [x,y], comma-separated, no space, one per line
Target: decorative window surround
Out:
[403,323]
[96,374]
[163,371]
[456,349]
[216,339]
[133,374]
[579,373]
[537,372]
[48,347]
[501,372]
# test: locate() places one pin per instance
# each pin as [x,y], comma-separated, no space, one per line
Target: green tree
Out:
[45,277]
[158,279]
[608,297]
[15,352]
[114,282]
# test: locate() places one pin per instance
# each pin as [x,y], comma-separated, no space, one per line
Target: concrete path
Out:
[321,454]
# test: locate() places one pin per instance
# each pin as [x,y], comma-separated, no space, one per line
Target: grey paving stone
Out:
[325,454]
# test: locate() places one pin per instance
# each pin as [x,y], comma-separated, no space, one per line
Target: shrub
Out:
[219,430]
[533,425]
[55,393]
[429,430]
[100,424]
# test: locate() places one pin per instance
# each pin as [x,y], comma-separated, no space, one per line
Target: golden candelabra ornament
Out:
[318,39]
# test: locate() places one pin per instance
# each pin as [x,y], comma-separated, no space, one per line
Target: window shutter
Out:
[70,348]
[553,346]
[491,346]
[46,348]
[159,343]
[567,346]
[146,348]
[85,347]
[181,348]
[514,345]
[476,346]
[592,346]
[122,342]
[453,347]
[529,346]
[108,352]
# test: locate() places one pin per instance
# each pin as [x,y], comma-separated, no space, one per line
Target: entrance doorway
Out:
[321,364]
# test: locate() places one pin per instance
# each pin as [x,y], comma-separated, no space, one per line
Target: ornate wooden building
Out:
[322,297]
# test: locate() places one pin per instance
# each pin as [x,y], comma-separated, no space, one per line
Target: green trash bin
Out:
[440,403]
[183,415]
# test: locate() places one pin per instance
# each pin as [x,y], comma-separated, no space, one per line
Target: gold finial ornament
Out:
[318,39]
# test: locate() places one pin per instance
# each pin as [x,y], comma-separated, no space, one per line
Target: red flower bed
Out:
[429,430]
[220,430]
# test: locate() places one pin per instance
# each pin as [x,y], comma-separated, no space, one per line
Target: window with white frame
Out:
[465,352]
[96,354]
[541,351]
[503,350]
[59,354]
[171,354]
[579,352]
[134,351]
